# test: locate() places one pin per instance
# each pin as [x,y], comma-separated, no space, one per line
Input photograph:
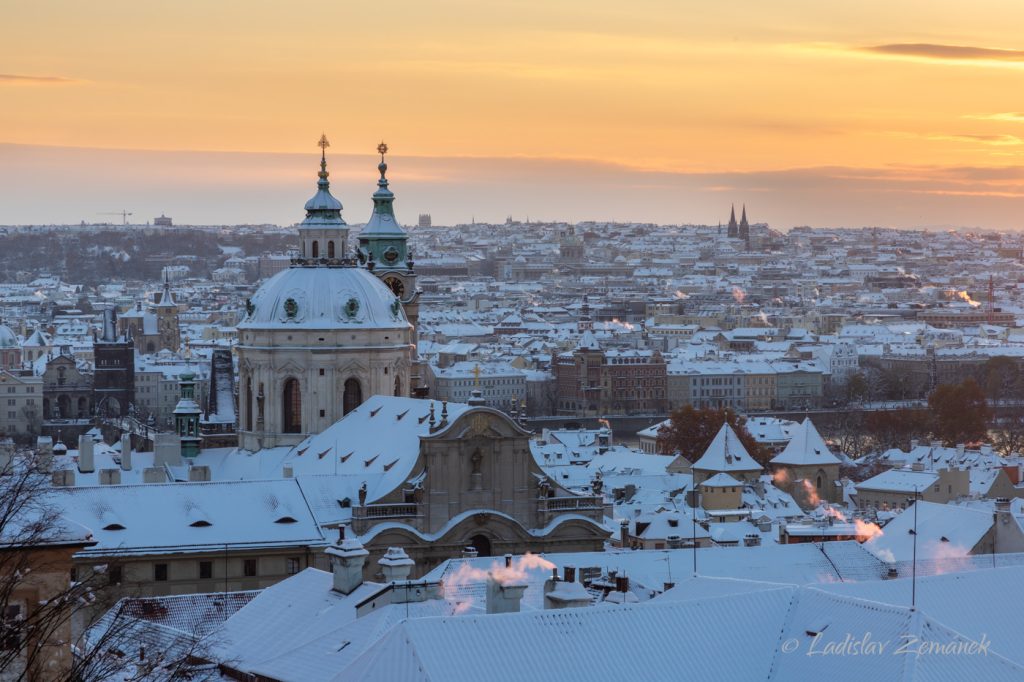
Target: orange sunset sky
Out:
[861,113]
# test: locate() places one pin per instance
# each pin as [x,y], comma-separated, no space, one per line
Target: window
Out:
[292,565]
[316,249]
[249,568]
[115,574]
[248,403]
[330,249]
[205,570]
[292,406]
[352,397]
[10,634]
[160,572]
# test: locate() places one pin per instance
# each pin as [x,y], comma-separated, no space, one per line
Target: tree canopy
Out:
[690,431]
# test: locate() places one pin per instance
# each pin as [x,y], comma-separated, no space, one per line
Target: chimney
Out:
[960,447]
[505,593]
[624,533]
[469,552]
[44,452]
[126,452]
[288,471]
[1002,505]
[63,478]
[395,565]
[110,476]
[347,558]
[154,475]
[570,574]
[564,594]
[914,443]
[891,574]
[86,460]
[199,473]
[167,449]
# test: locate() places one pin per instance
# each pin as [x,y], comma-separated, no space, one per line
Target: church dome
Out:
[324,298]
[7,337]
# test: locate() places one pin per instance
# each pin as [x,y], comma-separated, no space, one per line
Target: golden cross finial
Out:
[323,143]
[382,149]
[476,375]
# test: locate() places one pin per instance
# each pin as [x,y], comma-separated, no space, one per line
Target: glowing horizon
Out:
[914,94]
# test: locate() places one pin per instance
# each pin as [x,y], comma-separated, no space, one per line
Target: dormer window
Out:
[113,526]
[285,519]
[201,523]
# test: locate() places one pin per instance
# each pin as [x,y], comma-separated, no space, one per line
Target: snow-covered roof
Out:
[560,644]
[806,448]
[721,480]
[944,532]
[900,480]
[180,517]
[726,453]
[378,442]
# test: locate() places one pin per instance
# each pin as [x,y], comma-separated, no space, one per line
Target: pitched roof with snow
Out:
[944,532]
[726,453]
[176,517]
[560,644]
[806,448]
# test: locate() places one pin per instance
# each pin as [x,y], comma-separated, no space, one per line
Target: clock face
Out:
[396,286]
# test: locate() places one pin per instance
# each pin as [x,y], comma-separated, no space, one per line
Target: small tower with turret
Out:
[167,325]
[186,416]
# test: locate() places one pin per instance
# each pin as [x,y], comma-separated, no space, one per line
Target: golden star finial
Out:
[382,149]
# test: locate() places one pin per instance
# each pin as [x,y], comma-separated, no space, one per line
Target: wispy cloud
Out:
[994,140]
[21,79]
[946,52]
[1012,116]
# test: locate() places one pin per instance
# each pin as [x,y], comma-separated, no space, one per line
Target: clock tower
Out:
[384,248]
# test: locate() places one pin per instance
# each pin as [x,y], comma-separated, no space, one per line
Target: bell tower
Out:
[384,249]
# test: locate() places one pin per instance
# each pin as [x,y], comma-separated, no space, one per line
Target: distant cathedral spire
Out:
[744,229]
[733,227]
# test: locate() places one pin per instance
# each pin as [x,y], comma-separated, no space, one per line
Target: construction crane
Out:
[124,214]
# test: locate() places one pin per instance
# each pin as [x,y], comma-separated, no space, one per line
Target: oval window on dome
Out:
[352,307]
[291,308]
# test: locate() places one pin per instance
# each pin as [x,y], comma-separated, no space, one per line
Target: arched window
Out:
[398,385]
[316,249]
[292,407]
[249,399]
[353,396]
[819,481]
[482,544]
[330,249]
[83,407]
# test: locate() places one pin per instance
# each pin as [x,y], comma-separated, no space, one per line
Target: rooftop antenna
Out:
[990,313]
[913,574]
[693,518]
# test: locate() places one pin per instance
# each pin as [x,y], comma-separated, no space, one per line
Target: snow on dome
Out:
[324,298]
[7,337]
